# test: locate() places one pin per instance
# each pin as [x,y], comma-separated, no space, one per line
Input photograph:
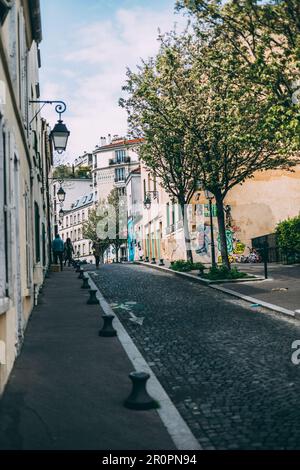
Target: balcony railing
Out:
[119,180]
[113,161]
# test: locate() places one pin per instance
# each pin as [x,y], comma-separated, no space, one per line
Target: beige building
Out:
[252,210]
[25,161]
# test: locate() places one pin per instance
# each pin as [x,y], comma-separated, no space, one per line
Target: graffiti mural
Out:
[131,241]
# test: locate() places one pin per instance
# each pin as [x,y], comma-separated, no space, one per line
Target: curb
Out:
[247,298]
[177,428]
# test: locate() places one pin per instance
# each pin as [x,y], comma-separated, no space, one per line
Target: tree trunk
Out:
[222,230]
[186,230]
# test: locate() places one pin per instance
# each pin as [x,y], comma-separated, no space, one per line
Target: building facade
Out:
[74,188]
[25,163]
[252,210]
[113,161]
[72,227]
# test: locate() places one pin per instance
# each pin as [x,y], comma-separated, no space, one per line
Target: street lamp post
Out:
[210,197]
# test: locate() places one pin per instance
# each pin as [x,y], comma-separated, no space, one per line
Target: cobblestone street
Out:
[226,366]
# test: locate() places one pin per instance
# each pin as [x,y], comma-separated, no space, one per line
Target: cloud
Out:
[93,69]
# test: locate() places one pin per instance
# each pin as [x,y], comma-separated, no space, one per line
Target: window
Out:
[154,183]
[75,235]
[82,216]
[173,214]
[144,187]
[78,217]
[37,233]
[83,249]
[3,219]
[71,219]
[44,244]
[119,174]
[168,214]
[67,221]
[120,156]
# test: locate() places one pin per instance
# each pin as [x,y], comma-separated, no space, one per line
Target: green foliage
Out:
[63,172]
[82,172]
[222,272]
[89,229]
[186,266]
[218,104]
[288,235]
[67,172]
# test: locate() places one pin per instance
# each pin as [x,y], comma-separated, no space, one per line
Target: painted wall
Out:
[24,149]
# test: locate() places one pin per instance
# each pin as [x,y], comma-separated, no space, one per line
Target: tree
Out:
[62,172]
[117,218]
[83,172]
[266,34]
[288,236]
[157,112]
[89,230]
[205,118]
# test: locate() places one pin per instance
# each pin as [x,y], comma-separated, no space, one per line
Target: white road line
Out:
[179,431]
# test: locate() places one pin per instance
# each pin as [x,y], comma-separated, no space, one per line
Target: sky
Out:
[87,46]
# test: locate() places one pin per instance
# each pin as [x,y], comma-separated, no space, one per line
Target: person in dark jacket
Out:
[58,250]
[69,250]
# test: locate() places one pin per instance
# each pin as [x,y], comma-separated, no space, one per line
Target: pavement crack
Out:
[42,421]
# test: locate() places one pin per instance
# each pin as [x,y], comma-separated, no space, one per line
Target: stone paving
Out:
[226,366]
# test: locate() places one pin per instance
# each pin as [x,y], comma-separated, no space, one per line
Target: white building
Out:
[85,160]
[72,227]
[74,189]
[112,163]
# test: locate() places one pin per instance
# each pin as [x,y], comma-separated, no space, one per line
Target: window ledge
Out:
[4,304]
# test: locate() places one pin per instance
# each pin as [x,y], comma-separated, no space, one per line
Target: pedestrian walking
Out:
[69,250]
[97,252]
[58,250]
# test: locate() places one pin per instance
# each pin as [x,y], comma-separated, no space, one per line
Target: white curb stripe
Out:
[179,431]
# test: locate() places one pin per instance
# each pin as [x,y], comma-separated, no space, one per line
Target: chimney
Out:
[109,139]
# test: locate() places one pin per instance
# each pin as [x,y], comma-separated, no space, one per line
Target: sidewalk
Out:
[68,385]
[281,289]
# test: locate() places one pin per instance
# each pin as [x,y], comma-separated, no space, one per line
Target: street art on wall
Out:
[131,241]
[235,247]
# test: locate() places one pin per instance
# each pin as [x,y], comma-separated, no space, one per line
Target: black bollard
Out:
[85,283]
[153,261]
[161,262]
[108,329]
[81,276]
[139,399]
[141,258]
[147,259]
[77,268]
[93,299]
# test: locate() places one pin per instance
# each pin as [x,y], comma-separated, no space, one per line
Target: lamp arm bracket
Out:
[59,108]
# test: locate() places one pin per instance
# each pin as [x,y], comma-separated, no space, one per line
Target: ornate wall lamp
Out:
[59,134]
[148,198]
